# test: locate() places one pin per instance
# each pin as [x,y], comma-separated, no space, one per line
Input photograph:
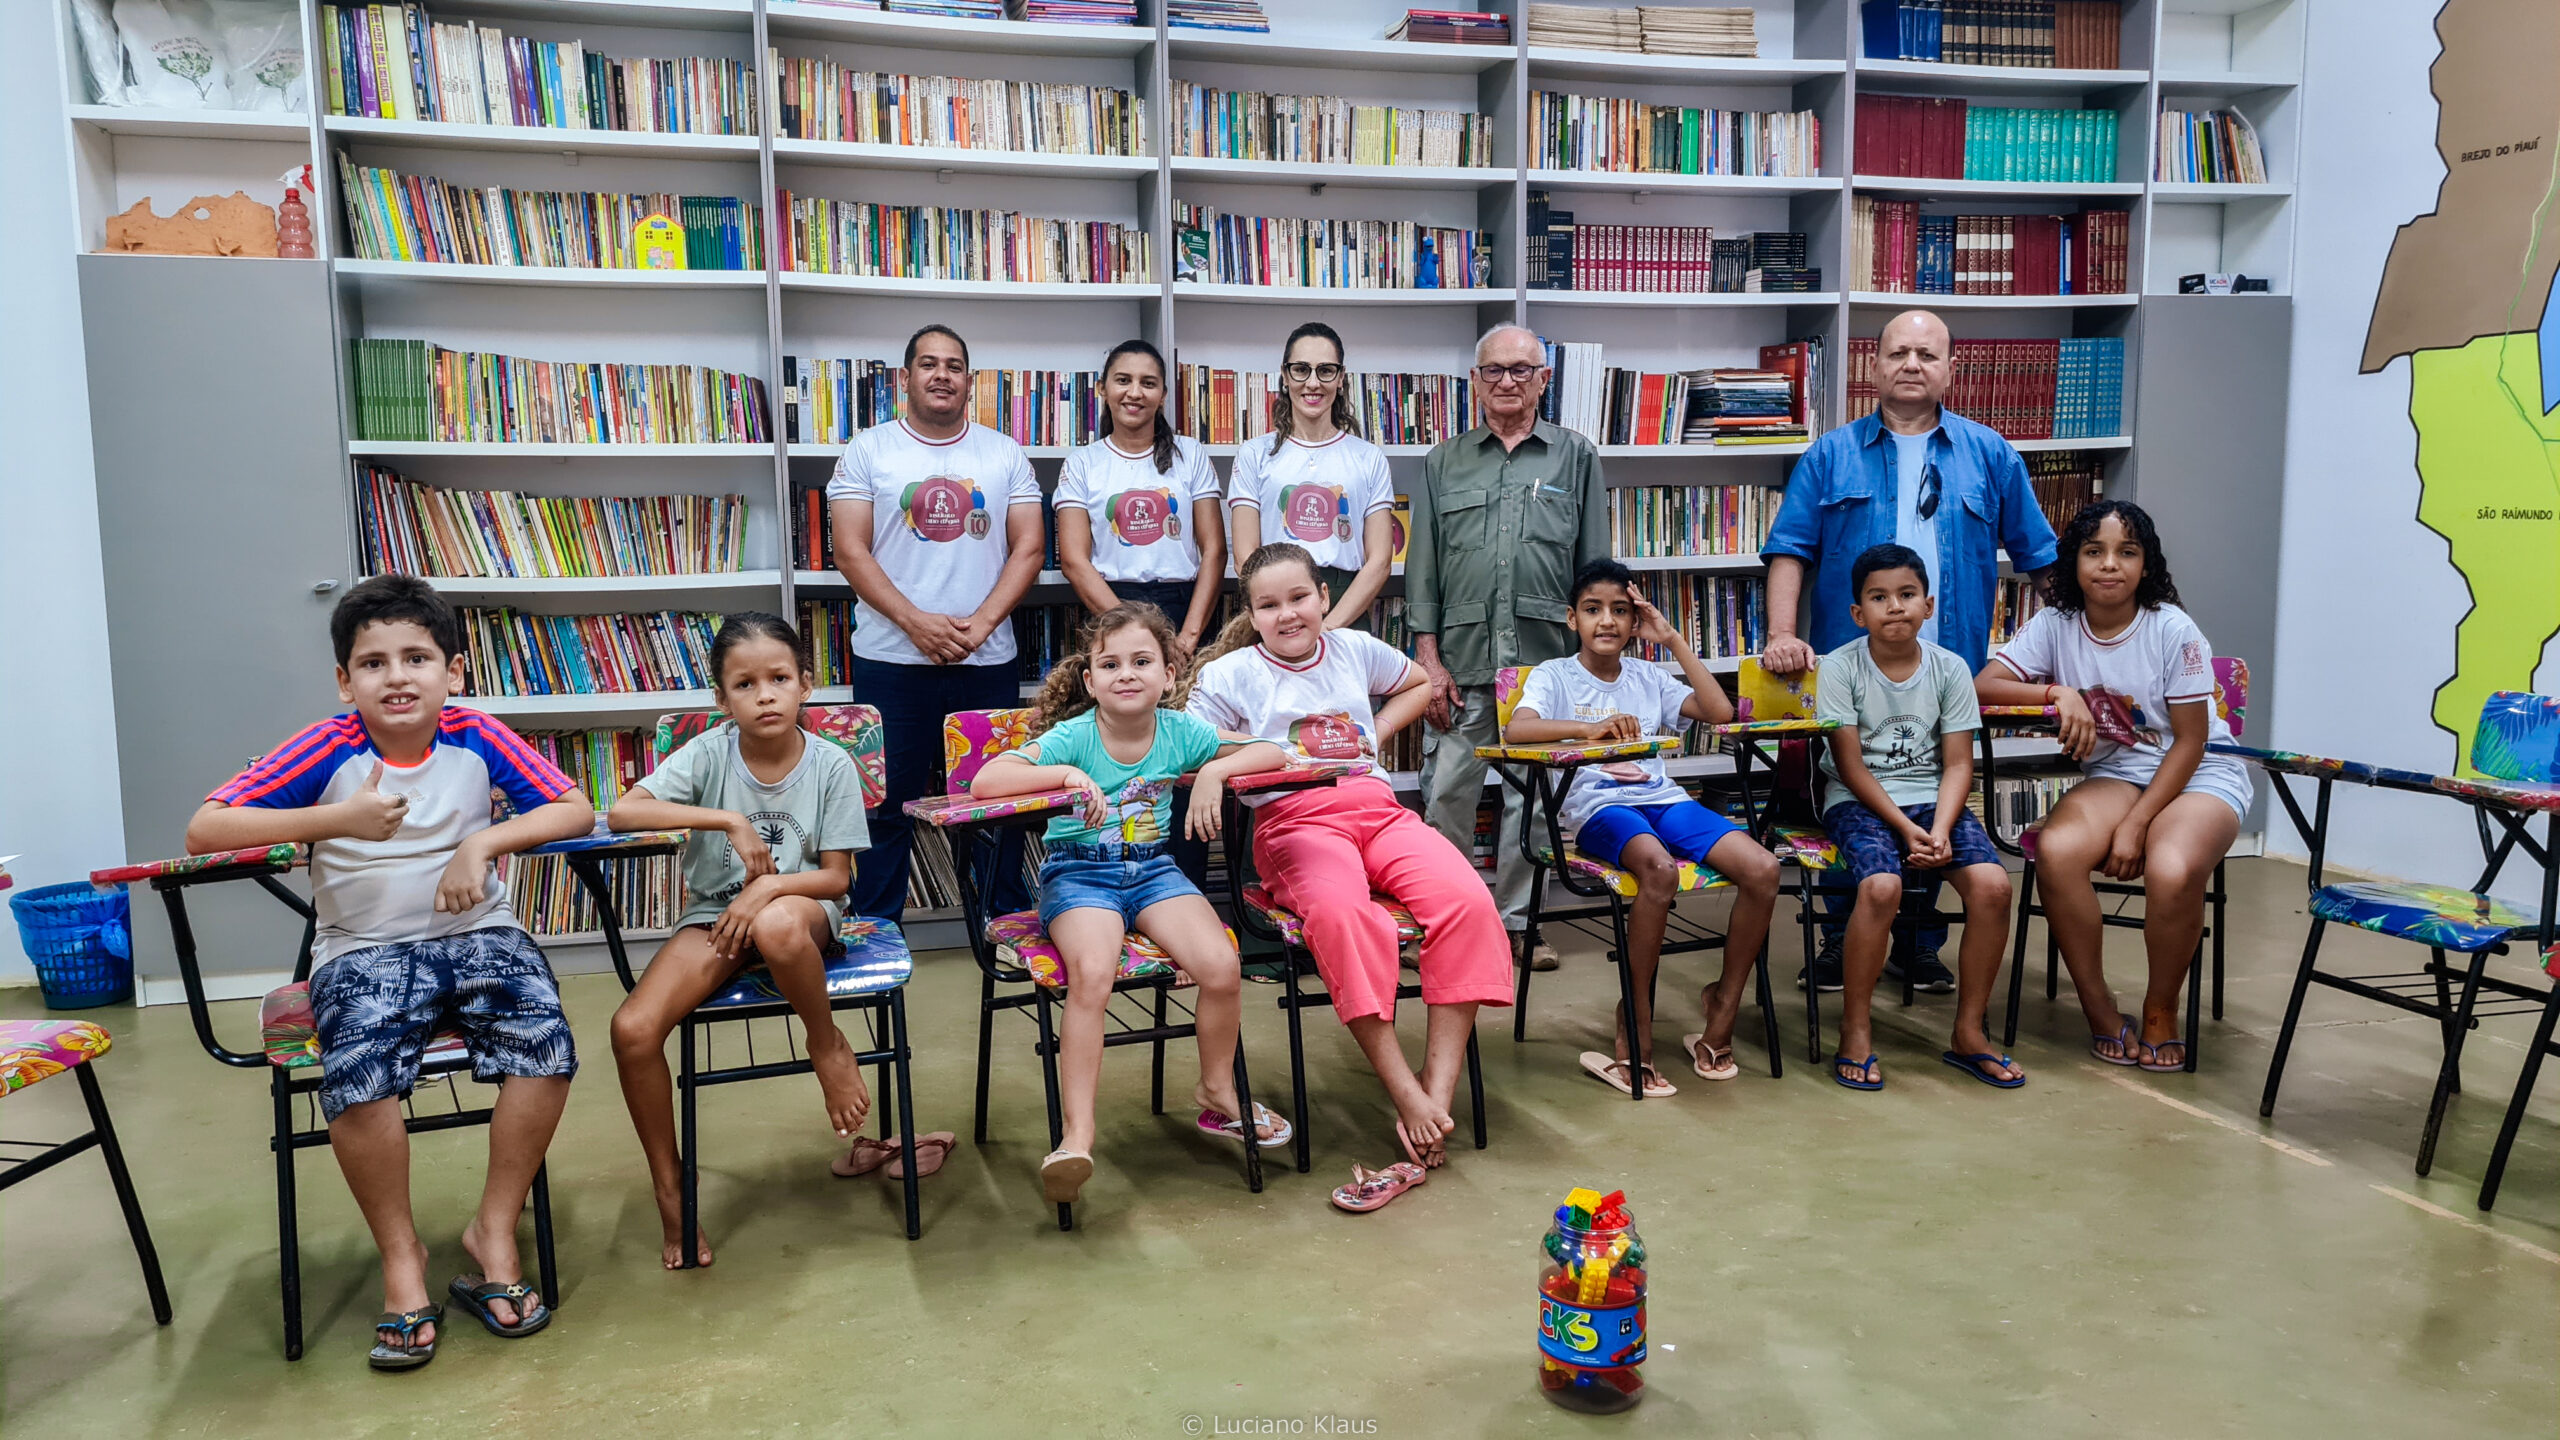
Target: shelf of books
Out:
[598,434]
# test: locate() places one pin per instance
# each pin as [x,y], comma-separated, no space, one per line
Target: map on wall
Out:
[2467,296]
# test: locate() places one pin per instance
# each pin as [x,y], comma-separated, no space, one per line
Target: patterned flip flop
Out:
[1373,1189]
[1227,1127]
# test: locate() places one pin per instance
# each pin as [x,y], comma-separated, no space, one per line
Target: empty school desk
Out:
[2468,922]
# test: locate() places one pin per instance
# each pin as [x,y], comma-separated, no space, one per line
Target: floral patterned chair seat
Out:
[33,1050]
[2436,915]
[1293,931]
[1020,940]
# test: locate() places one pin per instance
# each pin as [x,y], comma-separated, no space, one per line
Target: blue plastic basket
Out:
[80,941]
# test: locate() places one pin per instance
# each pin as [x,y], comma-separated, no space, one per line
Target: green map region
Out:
[2467,296]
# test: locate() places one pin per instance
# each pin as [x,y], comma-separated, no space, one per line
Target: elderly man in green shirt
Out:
[1502,518]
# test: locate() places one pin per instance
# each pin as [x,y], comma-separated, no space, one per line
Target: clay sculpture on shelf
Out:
[206,225]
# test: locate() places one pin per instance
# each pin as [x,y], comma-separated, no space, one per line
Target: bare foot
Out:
[840,1081]
[1423,1133]
[404,1288]
[671,1221]
[495,1254]
[1225,1103]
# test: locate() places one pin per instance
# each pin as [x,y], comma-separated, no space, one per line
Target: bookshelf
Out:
[2227,54]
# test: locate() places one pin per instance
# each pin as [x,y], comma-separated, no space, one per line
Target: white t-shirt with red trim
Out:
[1318,496]
[1141,519]
[1317,707]
[2159,660]
[938,510]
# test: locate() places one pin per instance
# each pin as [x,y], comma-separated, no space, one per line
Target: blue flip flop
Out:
[1972,1065]
[1866,1066]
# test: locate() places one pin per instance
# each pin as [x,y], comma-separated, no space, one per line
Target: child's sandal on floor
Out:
[1373,1189]
[1063,1174]
[477,1293]
[1712,1062]
[411,1353]
[2126,1040]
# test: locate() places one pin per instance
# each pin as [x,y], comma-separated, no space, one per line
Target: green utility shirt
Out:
[1497,537]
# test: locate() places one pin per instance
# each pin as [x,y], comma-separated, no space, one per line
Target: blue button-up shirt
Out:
[1840,500]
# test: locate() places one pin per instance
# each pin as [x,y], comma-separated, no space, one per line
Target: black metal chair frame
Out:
[284,1085]
[1297,996]
[884,1017]
[1151,1030]
[2208,941]
[101,1137]
[2456,1016]
[1544,795]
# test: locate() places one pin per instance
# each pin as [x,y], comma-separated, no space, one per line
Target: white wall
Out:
[2368,597]
[59,804]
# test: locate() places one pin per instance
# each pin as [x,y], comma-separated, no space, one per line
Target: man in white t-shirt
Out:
[937,526]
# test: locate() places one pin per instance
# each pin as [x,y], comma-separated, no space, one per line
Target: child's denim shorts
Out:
[1125,879]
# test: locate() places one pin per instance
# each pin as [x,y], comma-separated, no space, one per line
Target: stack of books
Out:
[391,62]
[2038,34]
[1453,27]
[950,9]
[1587,27]
[405,528]
[1074,12]
[1609,132]
[1724,31]
[2211,147]
[926,242]
[416,390]
[821,100]
[1740,407]
[1323,130]
[1217,15]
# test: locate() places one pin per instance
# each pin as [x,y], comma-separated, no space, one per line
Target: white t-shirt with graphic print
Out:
[1318,707]
[1141,519]
[1564,689]
[2159,660]
[1318,496]
[938,510]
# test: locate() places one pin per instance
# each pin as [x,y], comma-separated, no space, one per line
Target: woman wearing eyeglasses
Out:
[1314,482]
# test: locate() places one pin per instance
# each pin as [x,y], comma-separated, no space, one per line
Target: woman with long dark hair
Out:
[1138,514]
[1314,482]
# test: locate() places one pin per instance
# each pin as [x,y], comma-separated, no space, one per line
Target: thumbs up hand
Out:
[371,814]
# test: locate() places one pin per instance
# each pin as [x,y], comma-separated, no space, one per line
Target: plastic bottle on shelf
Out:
[293,218]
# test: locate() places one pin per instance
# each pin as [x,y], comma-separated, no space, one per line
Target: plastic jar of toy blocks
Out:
[1591,1284]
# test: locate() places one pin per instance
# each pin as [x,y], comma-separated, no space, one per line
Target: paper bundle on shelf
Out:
[1587,27]
[1217,15]
[1726,31]
[1453,27]
[1074,12]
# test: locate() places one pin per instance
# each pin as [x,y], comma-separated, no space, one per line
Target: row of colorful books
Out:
[2012,604]
[1613,405]
[1896,248]
[1723,617]
[2210,147]
[648,895]
[513,653]
[1617,135]
[2036,34]
[2018,801]
[391,216]
[826,402]
[605,763]
[819,99]
[393,62]
[406,528]
[1945,138]
[1290,250]
[1660,522]
[1659,259]
[419,390]
[2068,389]
[934,242]
[1228,407]
[1323,129]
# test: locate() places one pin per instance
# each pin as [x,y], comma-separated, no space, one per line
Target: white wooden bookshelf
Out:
[2244,54]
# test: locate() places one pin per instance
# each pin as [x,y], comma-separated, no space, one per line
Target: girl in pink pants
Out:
[1323,851]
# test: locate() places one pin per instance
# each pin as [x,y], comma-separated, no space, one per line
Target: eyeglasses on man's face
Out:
[1300,372]
[1516,374]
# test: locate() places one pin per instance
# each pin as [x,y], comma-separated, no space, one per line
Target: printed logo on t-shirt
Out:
[1316,513]
[1328,737]
[1904,738]
[2191,658]
[946,507]
[1142,517]
[781,833]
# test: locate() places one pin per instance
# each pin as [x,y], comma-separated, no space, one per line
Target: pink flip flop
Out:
[1373,1189]
[1224,1126]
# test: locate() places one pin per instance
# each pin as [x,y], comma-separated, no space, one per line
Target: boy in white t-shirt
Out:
[1632,815]
[1895,781]
[937,525]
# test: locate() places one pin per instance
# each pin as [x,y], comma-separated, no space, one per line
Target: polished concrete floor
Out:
[2102,1253]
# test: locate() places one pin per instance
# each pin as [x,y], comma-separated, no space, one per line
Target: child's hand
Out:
[465,880]
[1936,848]
[1919,846]
[2079,728]
[1651,626]
[729,933]
[1208,809]
[2125,850]
[370,814]
[1097,810]
[1615,728]
[748,843]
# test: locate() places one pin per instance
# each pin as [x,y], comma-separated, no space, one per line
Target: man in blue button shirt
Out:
[1917,474]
